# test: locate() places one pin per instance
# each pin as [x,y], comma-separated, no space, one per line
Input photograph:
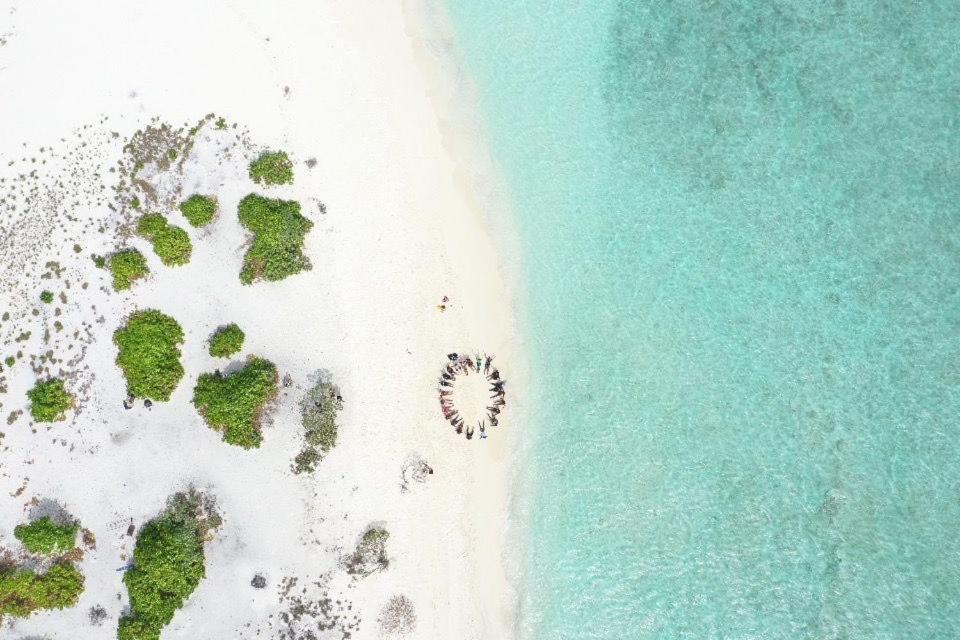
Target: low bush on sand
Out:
[23,591]
[226,341]
[149,354]
[126,267]
[318,410]
[199,210]
[170,242]
[49,400]
[397,617]
[44,536]
[46,297]
[271,168]
[370,555]
[276,250]
[168,564]
[233,404]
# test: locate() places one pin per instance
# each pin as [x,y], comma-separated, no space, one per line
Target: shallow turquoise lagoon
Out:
[740,226]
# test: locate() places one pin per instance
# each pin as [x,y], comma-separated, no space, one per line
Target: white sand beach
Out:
[354,92]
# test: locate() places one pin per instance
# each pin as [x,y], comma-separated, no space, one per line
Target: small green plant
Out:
[151,224]
[49,400]
[221,123]
[233,404]
[318,411]
[306,461]
[278,234]
[46,297]
[168,564]
[10,361]
[226,341]
[272,167]
[149,354]
[44,536]
[23,591]
[370,555]
[127,266]
[170,242]
[99,261]
[199,210]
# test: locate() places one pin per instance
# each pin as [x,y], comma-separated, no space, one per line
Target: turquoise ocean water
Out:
[740,225]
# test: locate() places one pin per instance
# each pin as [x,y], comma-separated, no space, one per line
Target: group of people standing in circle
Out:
[465,365]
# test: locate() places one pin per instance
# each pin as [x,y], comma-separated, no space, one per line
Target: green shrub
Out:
[23,591]
[278,232]
[10,361]
[127,266]
[131,628]
[272,167]
[168,564]
[307,460]
[49,400]
[199,210]
[226,341]
[173,246]
[170,242]
[46,297]
[234,403]
[46,537]
[318,410]
[370,555]
[99,261]
[151,224]
[149,355]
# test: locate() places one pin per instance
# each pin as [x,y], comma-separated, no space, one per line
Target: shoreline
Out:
[461,123]
[402,229]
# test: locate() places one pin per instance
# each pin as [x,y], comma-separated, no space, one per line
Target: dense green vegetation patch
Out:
[318,410]
[278,233]
[49,400]
[23,591]
[199,210]
[149,354]
[226,341]
[46,537]
[46,297]
[170,242]
[233,404]
[168,564]
[126,267]
[272,167]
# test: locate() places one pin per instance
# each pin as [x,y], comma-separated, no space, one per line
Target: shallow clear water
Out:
[740,225]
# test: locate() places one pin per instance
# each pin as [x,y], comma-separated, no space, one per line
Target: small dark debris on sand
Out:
[97,615]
